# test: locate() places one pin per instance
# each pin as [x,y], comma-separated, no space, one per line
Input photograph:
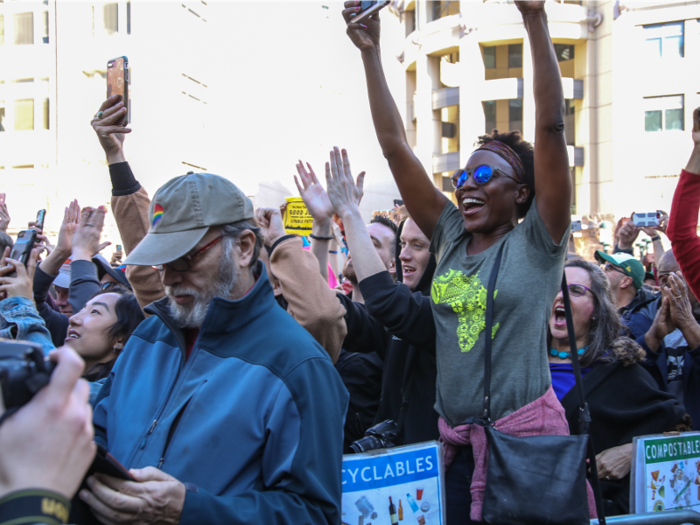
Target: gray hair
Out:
[234,230]
[604,341]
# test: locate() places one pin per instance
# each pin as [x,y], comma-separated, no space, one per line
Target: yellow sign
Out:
[297,219]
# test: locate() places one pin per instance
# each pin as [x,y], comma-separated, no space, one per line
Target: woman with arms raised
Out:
[494,191]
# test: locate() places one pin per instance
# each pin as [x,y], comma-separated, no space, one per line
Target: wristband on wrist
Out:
[656,238]
[335,252]
[274,245]
[45,506]
[321,237]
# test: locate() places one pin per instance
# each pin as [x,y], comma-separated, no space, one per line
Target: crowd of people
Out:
[226,374]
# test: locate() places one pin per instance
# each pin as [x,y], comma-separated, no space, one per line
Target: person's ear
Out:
[392,266]
[522,194]
[118,345]
[246,248]
[626,282]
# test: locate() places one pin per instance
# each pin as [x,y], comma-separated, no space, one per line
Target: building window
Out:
[515,114]
[665,40]
[46,113]
[24,28]
[664,113]
[564,52]
[570,122]
[515,55]
[490,115]
[128,18]
[2,115]
[2,30]
[409,19]
[110,14]
[444,8]
[45,28]
[490,57]
[24,114]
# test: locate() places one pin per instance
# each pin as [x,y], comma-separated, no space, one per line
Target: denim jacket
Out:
[19,320]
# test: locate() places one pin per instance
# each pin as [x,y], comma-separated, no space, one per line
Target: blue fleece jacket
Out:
[252,422]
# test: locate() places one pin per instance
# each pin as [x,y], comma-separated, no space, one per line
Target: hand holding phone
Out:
[646,220]
[40,216]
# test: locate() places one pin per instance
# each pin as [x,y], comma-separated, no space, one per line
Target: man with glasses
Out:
[634,302]
[224,408]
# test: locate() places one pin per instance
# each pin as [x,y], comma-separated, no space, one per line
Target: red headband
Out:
[506,153]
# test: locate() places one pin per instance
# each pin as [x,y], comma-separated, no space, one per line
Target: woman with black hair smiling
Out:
[495,190]
[100,330]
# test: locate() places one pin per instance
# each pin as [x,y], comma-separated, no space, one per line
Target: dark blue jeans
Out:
[459,480]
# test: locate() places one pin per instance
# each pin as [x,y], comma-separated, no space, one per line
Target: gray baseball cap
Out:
[181,213]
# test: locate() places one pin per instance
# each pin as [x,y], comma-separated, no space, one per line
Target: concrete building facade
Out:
[628,82]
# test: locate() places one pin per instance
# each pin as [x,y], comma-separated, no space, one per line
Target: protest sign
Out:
[665,472]
[297,219]
[402,485]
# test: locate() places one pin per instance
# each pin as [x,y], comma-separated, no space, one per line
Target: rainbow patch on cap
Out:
[157,215]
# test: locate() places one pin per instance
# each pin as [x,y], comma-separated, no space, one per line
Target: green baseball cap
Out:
[181,213]
[629,264]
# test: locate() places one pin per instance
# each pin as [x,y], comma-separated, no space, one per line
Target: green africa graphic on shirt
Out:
[467,297]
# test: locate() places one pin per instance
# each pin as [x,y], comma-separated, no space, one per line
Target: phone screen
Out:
[118,81]
[366,5]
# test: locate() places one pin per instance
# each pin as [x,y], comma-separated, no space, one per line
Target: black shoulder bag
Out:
[536,480]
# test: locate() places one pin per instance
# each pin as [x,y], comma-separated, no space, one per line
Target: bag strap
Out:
[488,334]
[584,417]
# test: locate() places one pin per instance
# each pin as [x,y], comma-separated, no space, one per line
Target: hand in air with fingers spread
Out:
[86,240]
[343,191]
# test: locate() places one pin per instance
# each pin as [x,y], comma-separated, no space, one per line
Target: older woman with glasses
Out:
[624,400]
[496,208]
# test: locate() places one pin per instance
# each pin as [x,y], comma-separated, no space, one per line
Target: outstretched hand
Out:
[86,240]
[696,126]
[313,194]
[110,131]
[365,34]
[344,193]
[71,218]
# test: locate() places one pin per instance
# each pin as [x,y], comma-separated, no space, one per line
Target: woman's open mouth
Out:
[560,316]
[472,205]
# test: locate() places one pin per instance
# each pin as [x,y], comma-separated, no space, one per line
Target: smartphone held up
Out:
[118,83]
[368,9]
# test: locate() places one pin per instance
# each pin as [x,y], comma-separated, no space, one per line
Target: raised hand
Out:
[529,7]
[4,214]
[110,131]
[344,193]
[71,217]
[365,34]
[628,233]
[271,224]
[86,240]
[313,194]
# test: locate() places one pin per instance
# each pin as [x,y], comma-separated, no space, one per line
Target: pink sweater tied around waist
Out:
[544,416]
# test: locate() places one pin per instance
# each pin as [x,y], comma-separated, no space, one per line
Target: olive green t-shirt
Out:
[528,281]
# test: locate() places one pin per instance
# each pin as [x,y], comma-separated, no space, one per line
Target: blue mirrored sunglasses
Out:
[482,174]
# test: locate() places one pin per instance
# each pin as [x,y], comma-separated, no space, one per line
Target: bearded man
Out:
[224,408]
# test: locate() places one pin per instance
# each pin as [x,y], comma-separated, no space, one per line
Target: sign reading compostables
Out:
[403,485]
[666,473]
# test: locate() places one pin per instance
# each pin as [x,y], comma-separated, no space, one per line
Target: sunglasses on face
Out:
[482,174]
[184,263]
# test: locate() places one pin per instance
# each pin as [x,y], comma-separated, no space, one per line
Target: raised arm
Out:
[423,200]
[683,221]
[552,177]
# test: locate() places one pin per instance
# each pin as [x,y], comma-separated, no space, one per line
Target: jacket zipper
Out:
[181,342]
[171,432]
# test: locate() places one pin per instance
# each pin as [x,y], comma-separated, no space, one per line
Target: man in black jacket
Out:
[396,321]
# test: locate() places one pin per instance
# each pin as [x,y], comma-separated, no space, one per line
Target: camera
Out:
[23,372]
[381,435]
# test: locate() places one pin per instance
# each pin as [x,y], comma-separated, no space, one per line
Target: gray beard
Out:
[193,315]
